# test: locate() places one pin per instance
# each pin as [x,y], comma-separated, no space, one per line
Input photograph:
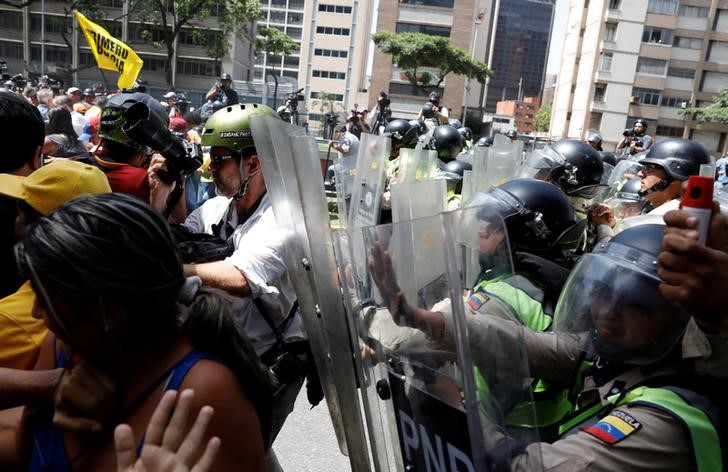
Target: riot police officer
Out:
[447,141]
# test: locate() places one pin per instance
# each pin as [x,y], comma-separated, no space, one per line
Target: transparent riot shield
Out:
[290,168]
[623,172]
[497,164]
[412,204]
[416,165]
[369,180]
[438,384]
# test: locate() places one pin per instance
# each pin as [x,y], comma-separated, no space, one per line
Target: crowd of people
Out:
[131,272]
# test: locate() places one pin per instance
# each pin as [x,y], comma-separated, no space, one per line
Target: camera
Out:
[288,368]
[628,133]
[294,97]
[383,100]
[148,129]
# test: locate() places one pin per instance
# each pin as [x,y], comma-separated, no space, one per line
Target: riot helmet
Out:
[455,123]
[627,200]
[611,305]
[511,134]
[230,128]
[453,173]
[485,141]
[595,138]
[466,132]
[426,110]
[679,158]
[225,76]
[89,92]
[402,133]
[447,142]
[539,217]
[419,125]
[114,118]
[571,164]
[608,158]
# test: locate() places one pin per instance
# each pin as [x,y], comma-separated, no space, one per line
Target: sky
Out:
[557,36]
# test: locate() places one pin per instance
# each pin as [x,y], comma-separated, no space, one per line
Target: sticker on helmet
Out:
[235,134]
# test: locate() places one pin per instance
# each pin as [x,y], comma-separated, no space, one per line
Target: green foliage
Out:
[716,112]
[412,51]
[542,120]
[275,41]
[171,16]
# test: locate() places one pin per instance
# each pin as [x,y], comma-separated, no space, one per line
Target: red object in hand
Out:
[698,201]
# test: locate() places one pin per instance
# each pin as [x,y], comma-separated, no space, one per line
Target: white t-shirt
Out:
[259,255]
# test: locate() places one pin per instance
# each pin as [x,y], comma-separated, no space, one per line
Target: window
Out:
[680,72]
[154,63]
[336,97]
[605,63]
[331,30]
[290,61]
[325,74]
[409,89]
[689,43]
[334,8]
[695,12]
[294,32]
[600,92]
[425,29]
[9,49]
[610,32]
[669,131]
[614,4]
[656,35]
[647,96]
[53,24]
[11,20]
[295,18]
[296,4]
[651,66]
[430,3]
[330,53]
[663,7]
[595,120]
[52,54]
[197,67]
[673,102]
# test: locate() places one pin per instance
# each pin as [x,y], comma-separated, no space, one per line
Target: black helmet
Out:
[485,141]
[571,164]
[455,123]
[447,142]
[402,133]
[595,138]
[466,132]
[680,158]
[539,217]
[627,200]
[427,110]
[453,172]
[114,117]
[613,296]
[89,92]
[608,158]
[225,76]
[511,133]
[420,125]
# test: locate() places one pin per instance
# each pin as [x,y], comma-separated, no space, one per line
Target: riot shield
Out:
[290,167]
[496,164]
[436,399]
[343,179]
[624,171]
[416,165]
[369,180]
[412,204]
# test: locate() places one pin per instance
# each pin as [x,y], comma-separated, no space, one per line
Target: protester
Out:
[61,139]
[45,99]
[95,110]
[131,328]
[76,117]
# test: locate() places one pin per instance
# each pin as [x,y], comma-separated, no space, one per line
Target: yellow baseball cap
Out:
[54,184]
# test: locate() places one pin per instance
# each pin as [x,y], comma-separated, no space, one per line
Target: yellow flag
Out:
[110,53]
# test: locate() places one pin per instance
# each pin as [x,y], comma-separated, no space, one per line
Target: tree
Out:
[716,112]
[274,41]
[542,119]
[414,51]
[165,19]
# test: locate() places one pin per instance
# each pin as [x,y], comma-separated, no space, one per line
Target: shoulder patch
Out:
[613,428]
[476,300]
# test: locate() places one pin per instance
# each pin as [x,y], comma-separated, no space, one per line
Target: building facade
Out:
[642,59]
[517,114]
[193,71]
[520,50]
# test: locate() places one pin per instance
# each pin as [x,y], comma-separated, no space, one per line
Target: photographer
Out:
[635,140]
[432,113]
[288,112]
[383,114]
[223,91]
[356,122]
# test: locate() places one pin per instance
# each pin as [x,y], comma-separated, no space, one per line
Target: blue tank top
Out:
[49,451]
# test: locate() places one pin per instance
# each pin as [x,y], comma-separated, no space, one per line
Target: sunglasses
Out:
[218,160]
[650,168]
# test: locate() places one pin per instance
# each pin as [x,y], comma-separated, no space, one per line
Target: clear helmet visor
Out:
[611,307]
[540,164]
[623,172]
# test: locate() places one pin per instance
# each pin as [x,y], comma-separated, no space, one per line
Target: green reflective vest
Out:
[686,406]
[525,300]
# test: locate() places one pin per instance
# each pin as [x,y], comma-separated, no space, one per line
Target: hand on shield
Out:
[383,275]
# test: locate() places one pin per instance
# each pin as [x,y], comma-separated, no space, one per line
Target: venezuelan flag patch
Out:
[476,300]
[613,428]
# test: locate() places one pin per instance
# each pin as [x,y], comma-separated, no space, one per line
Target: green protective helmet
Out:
[230,126]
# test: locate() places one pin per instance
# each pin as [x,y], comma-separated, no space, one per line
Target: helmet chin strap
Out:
[658,187]
[243,188]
